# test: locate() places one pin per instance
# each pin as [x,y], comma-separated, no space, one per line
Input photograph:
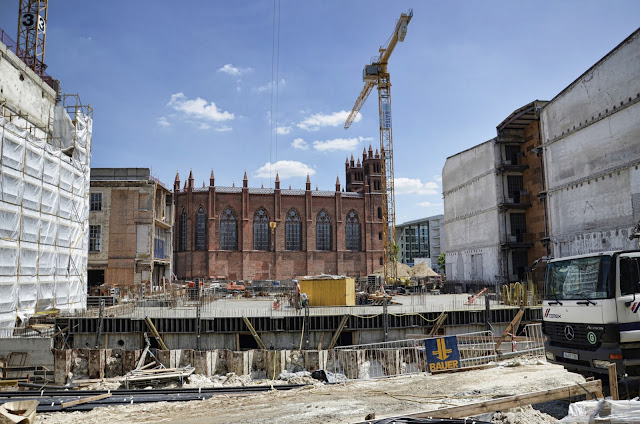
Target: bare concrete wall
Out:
[471,227]
[591,138]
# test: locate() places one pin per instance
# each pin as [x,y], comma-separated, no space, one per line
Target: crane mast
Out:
[32,21]
[376,74]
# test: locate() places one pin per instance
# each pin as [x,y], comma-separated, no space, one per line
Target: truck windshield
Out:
[579,278]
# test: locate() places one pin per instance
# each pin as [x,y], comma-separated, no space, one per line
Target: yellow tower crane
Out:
[376,74]
[32,22]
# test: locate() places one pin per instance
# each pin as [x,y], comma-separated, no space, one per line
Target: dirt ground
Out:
[352,401]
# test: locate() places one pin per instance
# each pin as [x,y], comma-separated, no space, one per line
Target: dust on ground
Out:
[347,402]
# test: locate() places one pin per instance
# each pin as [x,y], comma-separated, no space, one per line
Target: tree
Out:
[441,263]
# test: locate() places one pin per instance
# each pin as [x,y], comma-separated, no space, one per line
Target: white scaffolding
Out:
[44,209]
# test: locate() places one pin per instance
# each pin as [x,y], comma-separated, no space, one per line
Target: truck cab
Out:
[591,312]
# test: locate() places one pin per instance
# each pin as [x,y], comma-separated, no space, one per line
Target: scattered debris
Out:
[603,411]
[20,412]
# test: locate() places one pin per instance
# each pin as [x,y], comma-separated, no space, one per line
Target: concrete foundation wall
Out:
[37,348]
[594,196]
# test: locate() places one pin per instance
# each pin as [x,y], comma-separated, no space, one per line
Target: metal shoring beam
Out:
[388,196]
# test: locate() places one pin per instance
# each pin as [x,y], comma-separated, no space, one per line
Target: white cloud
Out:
[300,144]
[438,178]
[199,108]
[163,121]
[404,185]
[267,86]
[233,70]
[336,144]
[285,169]
[203,126]
[283,130]
[428,204]
[223,128]
[318,120]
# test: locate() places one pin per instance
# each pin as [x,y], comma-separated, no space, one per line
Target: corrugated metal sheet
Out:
[330,292]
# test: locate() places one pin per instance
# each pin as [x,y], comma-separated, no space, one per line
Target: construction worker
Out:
[296,298]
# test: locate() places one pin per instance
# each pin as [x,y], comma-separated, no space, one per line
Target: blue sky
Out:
[180,86]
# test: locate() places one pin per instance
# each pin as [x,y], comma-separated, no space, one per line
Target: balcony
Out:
[520,201]
[518,241]
[510,165]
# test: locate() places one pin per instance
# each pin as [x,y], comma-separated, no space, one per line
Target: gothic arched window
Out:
[292,230]
[200,229]
[182,245]
[323,231]
[353,232]
[260,230]
[228,230]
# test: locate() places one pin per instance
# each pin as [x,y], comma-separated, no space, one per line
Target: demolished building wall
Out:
[594,196]
[45,159]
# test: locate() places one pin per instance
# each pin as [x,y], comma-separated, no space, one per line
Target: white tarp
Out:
[44,208]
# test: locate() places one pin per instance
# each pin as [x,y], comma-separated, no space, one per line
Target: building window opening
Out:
[293,236]
[95,236]
[95,202]
[323,231]
[183,231]
[228,230]
[260,230]
[200,229]
[353,232]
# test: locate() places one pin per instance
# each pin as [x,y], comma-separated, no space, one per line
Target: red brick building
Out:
[243,233]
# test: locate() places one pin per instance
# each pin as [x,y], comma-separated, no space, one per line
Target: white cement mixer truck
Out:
[591,312]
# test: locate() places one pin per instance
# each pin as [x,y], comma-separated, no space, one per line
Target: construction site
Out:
[124,300]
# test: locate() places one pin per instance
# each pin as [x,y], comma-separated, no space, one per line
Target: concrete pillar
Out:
[130,360]
[175,356]
[187,358]
[238,362]
[114,363]
[314,360]
[201,363]
[220,362]
[61,365]
[212,361]
[275,361]
[164,357]
[390,359]
[97,362]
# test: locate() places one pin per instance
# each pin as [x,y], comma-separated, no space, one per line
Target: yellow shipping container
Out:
[328,290]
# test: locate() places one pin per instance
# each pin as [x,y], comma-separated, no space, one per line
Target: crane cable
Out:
[275,70]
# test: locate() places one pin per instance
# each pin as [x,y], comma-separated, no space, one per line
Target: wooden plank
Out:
[85,400]
[512,328]
[613,381]
[334,339]
[441,318]
[589,388]
[155,333]
[254,333]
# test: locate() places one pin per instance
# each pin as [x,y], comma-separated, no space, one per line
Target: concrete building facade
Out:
[45,157]
[421,240]
[130,231]
[242,233]
[591,135]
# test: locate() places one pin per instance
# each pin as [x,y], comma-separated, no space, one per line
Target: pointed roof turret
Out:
[308,185]
[203,185]
[337,183]
[358,164]
[364,153]
[277,181]
[212,179]
[190,178]
[245,180]
[352,161]
[377,155]
[370,151]
[176,182]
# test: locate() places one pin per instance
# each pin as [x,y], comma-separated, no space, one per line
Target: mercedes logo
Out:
[568,332]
